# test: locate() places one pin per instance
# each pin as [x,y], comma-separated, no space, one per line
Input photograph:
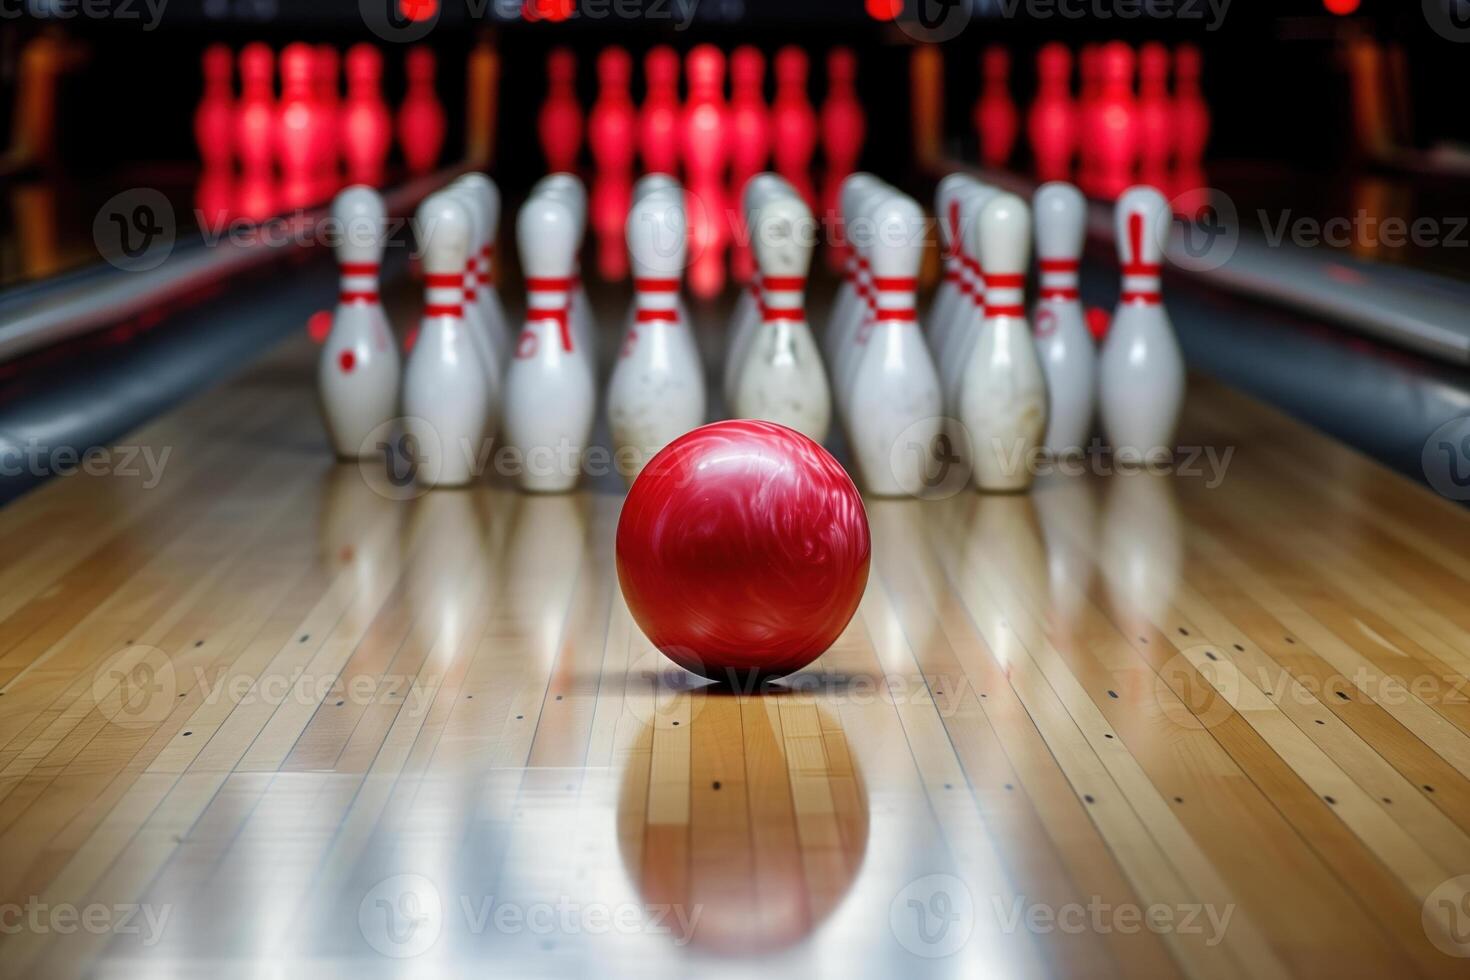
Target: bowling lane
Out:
[249,693]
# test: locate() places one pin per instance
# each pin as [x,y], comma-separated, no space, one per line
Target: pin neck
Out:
[358,282]
[656,300]
[443,294]
[893,299]
[1004,294]
[549,299]
[782,299]
[1058,278]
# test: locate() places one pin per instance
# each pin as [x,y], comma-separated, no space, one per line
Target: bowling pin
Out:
[446,395]
[484,196]
[1115,120]
[474,313]
[750,143]
[853,187]
[747,315]
[1140,369]
[357,375]
[996,120]
[421,117]
[367,127]
[255,113]
[570,188]
[782,378]
[549,389]
[857,326]
[1063,341]
[612,123]
[844,127]
[952,240]
[1155,117]
[794,122]
[894,403]
[1003,390]
[1190,116]
[968,316]
[1052,122]
[656,392]
[658,119]
[214,120]
[560,121]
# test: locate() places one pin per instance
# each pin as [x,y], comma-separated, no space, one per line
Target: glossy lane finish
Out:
[283,706]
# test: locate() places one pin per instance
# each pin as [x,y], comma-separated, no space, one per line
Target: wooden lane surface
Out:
[1208,724]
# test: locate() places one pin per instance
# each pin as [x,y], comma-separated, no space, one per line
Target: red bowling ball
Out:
[743,551]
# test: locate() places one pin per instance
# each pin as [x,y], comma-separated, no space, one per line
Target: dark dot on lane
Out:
[1088,798]
[1113,695]
[716,784]
[1240,648]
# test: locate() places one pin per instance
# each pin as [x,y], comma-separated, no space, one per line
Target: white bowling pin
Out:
[572,189]
[474,314]
[782,378]
[1140,369]
[858,325]
[854,188]
[1003,390]
[549,389]
[952,239]
[894,403]
[968,314]
[446,396]
[357,375]
[642,187]
[487,202]
[1062,339]
[747,316]
[656,392]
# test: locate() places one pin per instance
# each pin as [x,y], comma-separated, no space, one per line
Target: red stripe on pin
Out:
[894,285]
[1005,310]
[443,280]
[358,297]
[444,309]
[655,316]
[908,315]
[549,284]
[1057,292]
[358,268]
[656,285]
[1005,280]
[1058,265]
